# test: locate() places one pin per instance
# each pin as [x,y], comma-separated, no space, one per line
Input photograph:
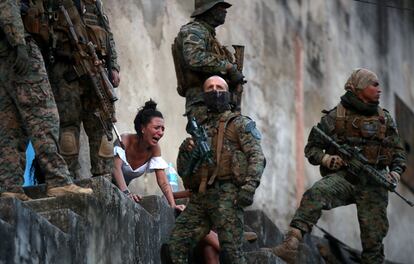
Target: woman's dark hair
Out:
[145,114]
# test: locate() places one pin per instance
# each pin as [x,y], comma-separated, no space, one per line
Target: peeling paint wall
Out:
[337,36]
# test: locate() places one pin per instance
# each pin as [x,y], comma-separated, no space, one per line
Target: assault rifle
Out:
[202,152]
[94,69]
[357,163]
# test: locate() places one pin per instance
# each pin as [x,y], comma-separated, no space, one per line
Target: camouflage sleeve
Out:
[11,22]
[399,156]
[114,55]
[196,55]
[249,137]
[314,149]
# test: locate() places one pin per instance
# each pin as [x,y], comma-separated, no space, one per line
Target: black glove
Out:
[245,195]
[235,76]
[22,63]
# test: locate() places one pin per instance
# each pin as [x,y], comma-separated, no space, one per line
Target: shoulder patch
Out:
[250,127]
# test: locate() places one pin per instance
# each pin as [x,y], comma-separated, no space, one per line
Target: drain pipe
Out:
[299,122]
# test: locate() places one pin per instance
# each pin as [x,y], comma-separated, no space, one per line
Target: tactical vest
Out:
[186,77]
[95,25]
[46,23]
[36,21]
[367,133]
[231,162]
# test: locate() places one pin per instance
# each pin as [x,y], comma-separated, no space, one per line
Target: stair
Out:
[108,227]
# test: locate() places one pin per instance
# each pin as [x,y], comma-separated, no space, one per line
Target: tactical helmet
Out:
[202,6]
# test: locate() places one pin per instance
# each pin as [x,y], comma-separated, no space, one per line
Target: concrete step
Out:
[29,237]
[262,257]
[64,219]
[268,233]
[39,191]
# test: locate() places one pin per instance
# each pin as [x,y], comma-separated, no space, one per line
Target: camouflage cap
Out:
[359,79]
[202,6]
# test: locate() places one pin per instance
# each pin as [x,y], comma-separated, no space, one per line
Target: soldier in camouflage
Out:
[198,55]
[27,110]
[220,192]
[74,93]
[357,121]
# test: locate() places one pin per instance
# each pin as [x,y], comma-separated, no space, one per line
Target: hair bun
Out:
[150,105]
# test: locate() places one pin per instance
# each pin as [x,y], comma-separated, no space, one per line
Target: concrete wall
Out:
[298,56]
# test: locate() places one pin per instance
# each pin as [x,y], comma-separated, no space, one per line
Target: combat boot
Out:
[18,195]
[68,189]
[288,250]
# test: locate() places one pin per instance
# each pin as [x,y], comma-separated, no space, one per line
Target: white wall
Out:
[337,36]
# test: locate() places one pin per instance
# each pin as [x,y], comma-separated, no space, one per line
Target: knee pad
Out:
[106,148]
[69,144]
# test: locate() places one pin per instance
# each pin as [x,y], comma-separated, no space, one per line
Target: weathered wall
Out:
[318,40]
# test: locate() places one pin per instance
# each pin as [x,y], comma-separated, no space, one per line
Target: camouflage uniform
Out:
[378,138]
[216,208]
[74,93]
[199,56]
[27,108]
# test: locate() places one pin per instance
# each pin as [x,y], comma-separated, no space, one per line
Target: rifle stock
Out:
[182,194]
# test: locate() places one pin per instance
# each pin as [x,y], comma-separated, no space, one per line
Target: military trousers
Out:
[213,209]
[77,104]
[28,111]
[333,191]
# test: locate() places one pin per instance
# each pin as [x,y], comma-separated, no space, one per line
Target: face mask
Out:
[215,16]
[217,102]
[219,16]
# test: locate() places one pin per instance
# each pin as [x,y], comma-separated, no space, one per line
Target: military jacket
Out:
[241,150]
[201,56]
[11,26]
[376,136]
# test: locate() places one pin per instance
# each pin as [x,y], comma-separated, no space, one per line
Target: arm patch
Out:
[251,128]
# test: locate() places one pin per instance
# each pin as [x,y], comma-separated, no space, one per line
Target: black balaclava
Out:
[217,102]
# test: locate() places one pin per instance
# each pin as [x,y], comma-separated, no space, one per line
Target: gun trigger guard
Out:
[354,122]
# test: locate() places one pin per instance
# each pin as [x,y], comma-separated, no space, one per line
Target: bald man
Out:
[220,192]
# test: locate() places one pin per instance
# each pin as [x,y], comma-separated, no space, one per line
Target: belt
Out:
[218,183]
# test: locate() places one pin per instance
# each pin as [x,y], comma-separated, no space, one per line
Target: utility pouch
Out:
[32,20]
[99,37]
[36,23]
[369,127]
[239,168]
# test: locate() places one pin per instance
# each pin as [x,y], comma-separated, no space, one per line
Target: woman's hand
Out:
[180,207]
[134,197]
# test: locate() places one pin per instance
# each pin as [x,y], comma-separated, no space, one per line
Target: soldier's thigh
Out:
[192,224]
[226,216]
[332,191]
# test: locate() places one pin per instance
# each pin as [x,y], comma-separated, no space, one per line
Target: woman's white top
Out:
[155,163]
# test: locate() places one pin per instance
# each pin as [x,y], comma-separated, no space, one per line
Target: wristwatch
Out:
[127,191]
